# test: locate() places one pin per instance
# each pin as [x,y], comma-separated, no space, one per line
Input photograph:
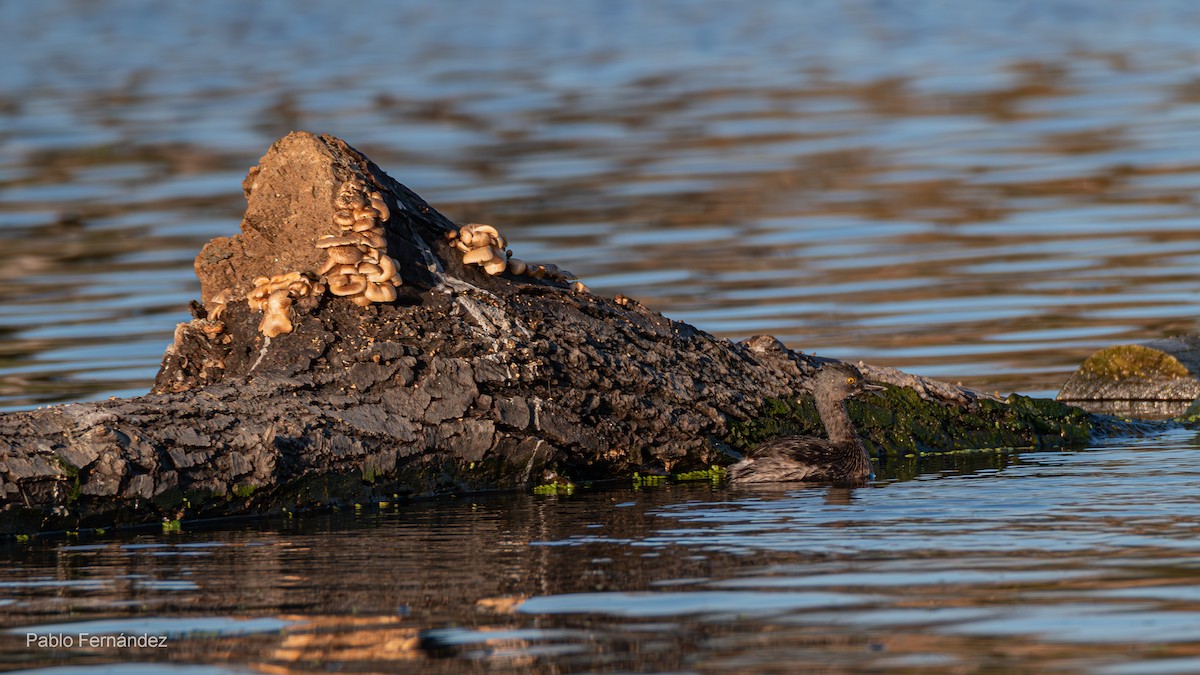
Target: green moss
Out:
[649,480]
[1125,362]
[714,473]
[172,525]
[23,538]
[560,486]
[71,472]
[244,490]
[899,423]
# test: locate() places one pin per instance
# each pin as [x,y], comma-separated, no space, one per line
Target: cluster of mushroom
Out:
[273,296]
[483,245]
[358,265]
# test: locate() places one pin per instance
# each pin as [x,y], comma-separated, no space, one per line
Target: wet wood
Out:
[466,381]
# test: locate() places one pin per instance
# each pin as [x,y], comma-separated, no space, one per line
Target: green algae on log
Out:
[463,381]
[1155,378]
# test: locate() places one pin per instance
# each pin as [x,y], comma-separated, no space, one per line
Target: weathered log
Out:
[1155,378]
[464,381]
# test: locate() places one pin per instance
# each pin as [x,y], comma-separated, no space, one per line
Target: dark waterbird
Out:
[841,459]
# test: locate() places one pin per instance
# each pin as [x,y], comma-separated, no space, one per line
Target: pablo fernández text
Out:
[95,641]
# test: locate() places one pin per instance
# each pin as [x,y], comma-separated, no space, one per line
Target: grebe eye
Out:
[849,380]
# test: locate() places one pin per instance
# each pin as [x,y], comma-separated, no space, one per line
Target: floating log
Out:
[344,353]
[1158,378]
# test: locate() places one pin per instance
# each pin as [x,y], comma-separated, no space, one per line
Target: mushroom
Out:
[380,205]
[579,287]
[387,270]
[347,255]
[380,292]
[363,223]
[496,265]
[343,218]
[371,238]
[331,240]
[219,302]
[361,300]
[345,284]
[475,233]
[516,266]
[479,256]
[274,325]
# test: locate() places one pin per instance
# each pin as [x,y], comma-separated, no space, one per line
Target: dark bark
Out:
[465,382]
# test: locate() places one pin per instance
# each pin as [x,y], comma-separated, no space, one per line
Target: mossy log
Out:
[1156,378]
[465,381]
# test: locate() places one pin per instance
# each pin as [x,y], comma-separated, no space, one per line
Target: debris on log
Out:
[1159,378]
[353,345]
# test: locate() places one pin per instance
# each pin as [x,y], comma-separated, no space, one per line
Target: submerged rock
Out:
[352,347]
[1159,378]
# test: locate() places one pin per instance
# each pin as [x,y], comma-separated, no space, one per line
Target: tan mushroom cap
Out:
[364,223]
[279,302]
[331,240]
[380,293]
[481,255]
[343,218]
[387,270]
[496,265]
[347,284]
[579,287]
[275,324]
[517,266]
[380,205]
[371,238]
[347,255]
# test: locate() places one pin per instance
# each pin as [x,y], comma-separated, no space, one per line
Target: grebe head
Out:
[840,381]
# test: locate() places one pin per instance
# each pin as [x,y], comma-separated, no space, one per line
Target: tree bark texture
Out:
[466,381]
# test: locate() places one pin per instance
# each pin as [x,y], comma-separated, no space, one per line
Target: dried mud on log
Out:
[442,377]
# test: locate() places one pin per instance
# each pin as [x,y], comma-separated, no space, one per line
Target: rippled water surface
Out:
[983,192]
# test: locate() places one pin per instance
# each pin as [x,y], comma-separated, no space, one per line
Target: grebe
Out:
[840,459]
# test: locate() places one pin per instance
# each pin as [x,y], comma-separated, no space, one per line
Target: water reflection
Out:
[1068,561]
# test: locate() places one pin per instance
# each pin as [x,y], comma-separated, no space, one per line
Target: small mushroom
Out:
[473,233]
[274,325]
[369,270]
[346,284]
[347,255]
[517,266]
[371,238]
[343,218]
[363,224]
[361,300]
[380,293]
[218,303]
[579,287]
[278,302]
[328,267]
[387,270]
[496,265]
[331,240]
[481,255]
[379,204]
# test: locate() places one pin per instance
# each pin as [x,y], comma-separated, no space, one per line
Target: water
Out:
[982,192]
